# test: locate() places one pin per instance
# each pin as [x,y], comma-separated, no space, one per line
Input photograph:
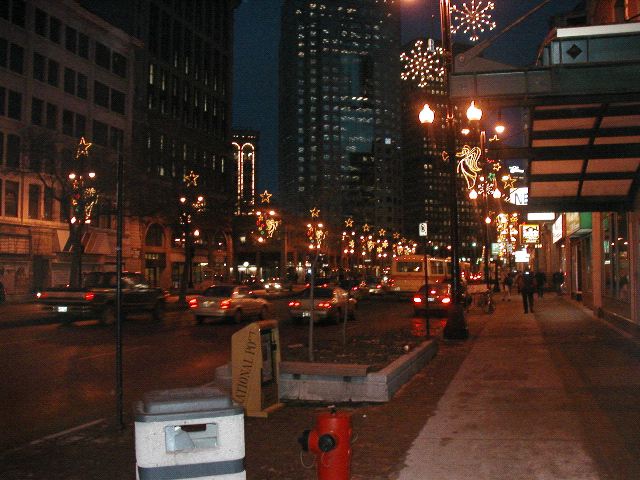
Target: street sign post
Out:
[422,231]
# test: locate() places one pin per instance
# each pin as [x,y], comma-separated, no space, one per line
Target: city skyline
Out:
[257,30]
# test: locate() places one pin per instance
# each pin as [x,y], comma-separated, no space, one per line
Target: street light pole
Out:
[456,327]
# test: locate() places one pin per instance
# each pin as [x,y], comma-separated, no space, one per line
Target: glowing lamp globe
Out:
[473,112]
[426,114]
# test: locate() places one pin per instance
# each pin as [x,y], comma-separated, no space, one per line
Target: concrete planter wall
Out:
[373,387]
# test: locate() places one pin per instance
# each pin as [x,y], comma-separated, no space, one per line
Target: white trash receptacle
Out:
[189,433]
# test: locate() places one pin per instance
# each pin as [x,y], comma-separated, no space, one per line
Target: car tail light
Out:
[193,303]
[446,300]
[89,296]
[324,305]
[41,295]
[417,300]
[378,286]
[294,304]
[225,304]
[432,292]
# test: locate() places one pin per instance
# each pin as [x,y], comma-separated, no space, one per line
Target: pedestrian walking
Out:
[526,283]
[541,278]
[558,280]
[507,282]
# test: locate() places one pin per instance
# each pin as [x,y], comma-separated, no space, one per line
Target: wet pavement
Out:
[550,395]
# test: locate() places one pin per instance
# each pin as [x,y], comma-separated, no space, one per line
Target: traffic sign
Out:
[422,229]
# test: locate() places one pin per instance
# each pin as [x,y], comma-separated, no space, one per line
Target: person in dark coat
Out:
[526,283]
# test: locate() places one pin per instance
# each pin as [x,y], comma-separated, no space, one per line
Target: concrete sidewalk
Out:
[526,404]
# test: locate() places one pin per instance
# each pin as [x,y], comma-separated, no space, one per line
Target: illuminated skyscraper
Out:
[339,110]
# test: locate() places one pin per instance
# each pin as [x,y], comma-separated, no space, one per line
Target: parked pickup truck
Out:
[97,298]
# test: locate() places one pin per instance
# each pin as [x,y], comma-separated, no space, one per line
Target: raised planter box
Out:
[351,383]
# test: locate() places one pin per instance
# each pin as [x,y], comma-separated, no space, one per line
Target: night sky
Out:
[257,33]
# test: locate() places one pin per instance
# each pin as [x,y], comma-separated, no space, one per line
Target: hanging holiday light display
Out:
[422,65]
[468,165]
[472,18]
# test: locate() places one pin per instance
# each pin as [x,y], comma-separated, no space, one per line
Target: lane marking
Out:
[53,436]
[105,354]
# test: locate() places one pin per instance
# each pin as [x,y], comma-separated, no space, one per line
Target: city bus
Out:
[407,272]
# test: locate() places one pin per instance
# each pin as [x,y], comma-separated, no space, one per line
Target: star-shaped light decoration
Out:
[83,148]
[382,232]
[191,179]
[265,197]
[366,227]
[315,213]
[396,236]
[497,166]
[509,182]
[348,222]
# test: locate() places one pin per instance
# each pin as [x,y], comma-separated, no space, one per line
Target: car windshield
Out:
[218,291]
[317,292]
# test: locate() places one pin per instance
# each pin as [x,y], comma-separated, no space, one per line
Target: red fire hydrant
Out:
[330,441]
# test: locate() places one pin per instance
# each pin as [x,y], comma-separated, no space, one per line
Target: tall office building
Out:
[425,174]
[182,121]
[339,110]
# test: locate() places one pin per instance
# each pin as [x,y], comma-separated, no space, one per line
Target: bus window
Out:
[408,267]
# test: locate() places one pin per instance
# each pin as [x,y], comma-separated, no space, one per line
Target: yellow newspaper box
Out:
[255,366]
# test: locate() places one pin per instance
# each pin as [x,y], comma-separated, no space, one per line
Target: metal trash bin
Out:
[189,433]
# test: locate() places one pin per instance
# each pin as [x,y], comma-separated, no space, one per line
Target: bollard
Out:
[330,441]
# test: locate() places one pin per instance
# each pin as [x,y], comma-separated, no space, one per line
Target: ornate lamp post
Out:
[83,199]
[456,327]
[191,204]
[317,233]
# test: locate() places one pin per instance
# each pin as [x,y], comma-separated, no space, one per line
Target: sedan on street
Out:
[330,303]
[235,302]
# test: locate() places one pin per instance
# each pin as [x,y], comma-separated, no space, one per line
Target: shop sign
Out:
[522,256]
[556,230]
[541,216]
[519,196]
[578,223]
[530,233]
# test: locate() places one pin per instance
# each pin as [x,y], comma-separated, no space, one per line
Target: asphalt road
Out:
[58,377]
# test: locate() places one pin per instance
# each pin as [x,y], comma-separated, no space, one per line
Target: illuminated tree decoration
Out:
[83,198]
[468,164]
[316,233]
[472,19]
[421,65]
[348,222]
[266,225]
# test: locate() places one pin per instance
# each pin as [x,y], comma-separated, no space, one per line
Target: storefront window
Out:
[616,256]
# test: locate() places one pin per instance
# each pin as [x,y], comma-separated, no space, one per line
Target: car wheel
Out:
[158,312]
[108,315]
[199,319]
[237,316]
[264,311]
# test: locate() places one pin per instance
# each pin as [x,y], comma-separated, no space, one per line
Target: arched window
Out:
[155,236]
